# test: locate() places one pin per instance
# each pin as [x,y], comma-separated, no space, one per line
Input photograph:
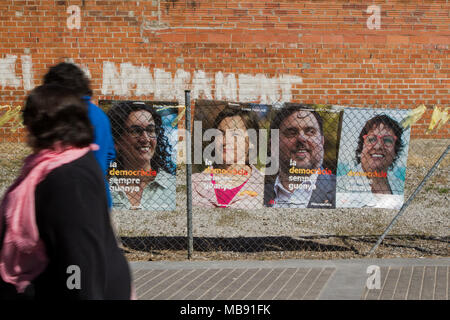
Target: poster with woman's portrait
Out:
[372,159]
[143,175]
[229,154]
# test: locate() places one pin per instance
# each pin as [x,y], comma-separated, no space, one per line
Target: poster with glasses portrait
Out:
[229,151]
[145,133]
[372,159]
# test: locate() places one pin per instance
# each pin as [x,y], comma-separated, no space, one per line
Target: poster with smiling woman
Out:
[229,149]
[372,159]
[143,176]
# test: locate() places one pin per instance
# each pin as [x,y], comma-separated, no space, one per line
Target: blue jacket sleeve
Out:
[103,138]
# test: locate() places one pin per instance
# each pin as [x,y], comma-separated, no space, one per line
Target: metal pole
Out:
[187,100]
[406,204]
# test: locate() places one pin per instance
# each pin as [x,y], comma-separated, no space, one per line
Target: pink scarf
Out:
[23,256]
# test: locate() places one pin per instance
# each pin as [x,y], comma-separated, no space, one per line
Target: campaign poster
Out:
[229,148]
[145,134]
[307,142]
[372,159]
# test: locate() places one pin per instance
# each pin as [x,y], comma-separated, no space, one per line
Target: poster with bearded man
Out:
[308,147]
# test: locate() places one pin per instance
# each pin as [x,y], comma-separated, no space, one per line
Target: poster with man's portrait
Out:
[372,159]
[145,133]
[229,148]
[307,141]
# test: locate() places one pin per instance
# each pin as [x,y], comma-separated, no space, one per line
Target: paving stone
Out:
[415,286]
[179,284]
[323,278]
[429,282]
[387,293]
[400,279]
[264,284]
[234,286]
[277,284]
[213,292]
[448,283]
[249,285]
[147,276]
[208,284]
[292,283]
[164,285]
[306,284]
[195,283]
[401,290]
[440,291]
[160,278]
[138,274]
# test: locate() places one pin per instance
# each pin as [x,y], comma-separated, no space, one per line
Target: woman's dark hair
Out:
[248,117]
[375,122]
[70,76]
[118,115]
[53,114]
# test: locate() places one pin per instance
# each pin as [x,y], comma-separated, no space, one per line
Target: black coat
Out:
[324,194]
[74,222]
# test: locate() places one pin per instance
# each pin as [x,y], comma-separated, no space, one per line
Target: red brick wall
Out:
[325,43]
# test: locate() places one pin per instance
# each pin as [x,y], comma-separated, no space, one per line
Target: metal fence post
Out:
[187,100]
[406,204]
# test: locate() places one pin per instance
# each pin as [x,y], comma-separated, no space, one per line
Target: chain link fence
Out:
[268,181]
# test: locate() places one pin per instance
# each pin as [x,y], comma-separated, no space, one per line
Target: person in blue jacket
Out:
[71,76]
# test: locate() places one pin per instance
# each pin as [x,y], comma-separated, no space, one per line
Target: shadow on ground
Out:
[323,243]
[238,244]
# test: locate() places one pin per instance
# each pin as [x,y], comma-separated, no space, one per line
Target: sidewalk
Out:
[409,279]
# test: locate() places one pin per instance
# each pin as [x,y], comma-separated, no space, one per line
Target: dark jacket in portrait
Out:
[322,197]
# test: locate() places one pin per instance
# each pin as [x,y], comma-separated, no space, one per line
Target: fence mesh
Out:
[269,181]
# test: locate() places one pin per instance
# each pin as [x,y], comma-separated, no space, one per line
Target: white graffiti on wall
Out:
[27,72]
[130,80]
[8,77]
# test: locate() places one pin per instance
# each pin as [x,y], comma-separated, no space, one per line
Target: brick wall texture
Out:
[262,51]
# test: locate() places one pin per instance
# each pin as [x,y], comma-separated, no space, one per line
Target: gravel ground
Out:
[422,231]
